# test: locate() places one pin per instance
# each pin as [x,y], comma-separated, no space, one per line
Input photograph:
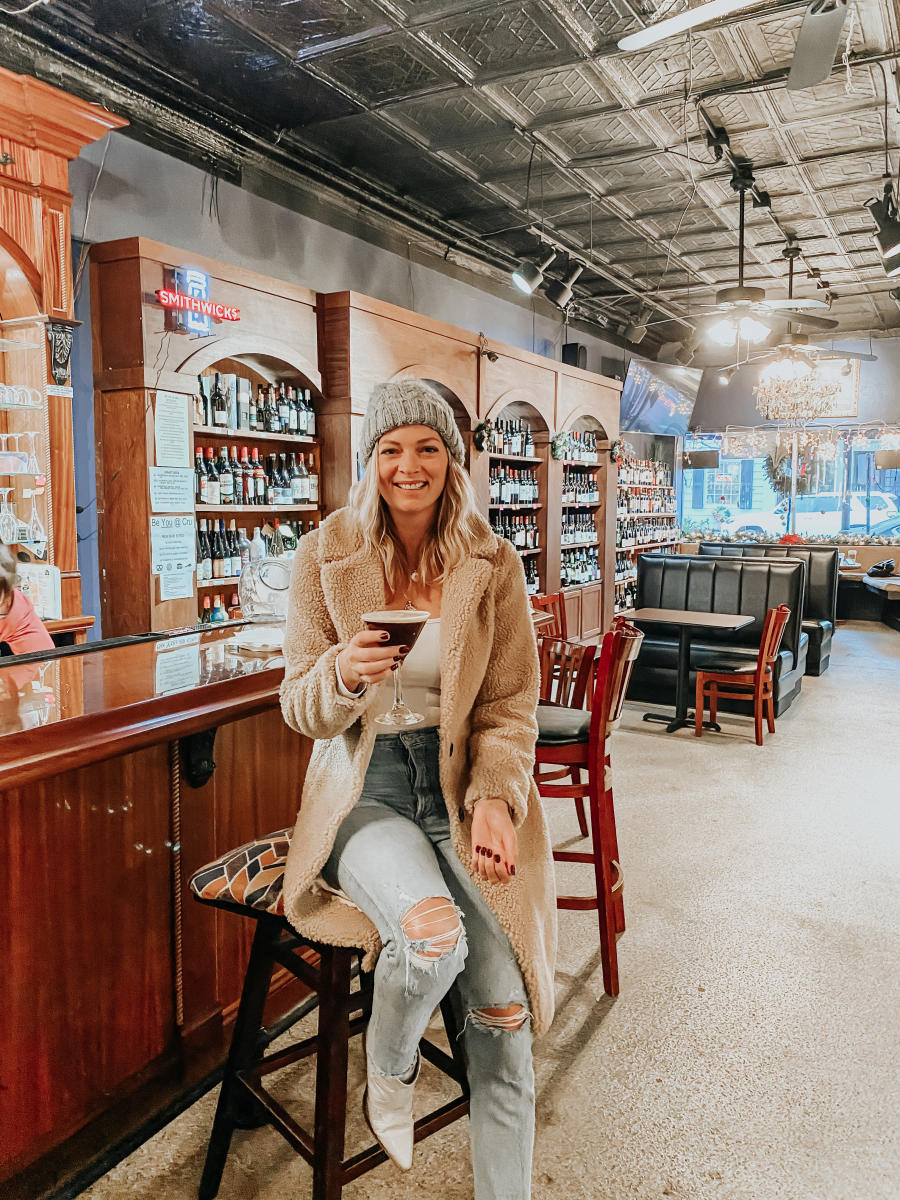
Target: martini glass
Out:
[403,627]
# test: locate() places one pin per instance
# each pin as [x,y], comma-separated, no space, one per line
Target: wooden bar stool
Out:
[248,881]
[575,738]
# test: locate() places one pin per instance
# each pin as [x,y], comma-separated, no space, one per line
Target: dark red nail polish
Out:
[477,849]
[512,870]
[384,636]
[404,649]
[496,858]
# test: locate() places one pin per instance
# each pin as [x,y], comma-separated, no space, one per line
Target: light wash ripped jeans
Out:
[391,853]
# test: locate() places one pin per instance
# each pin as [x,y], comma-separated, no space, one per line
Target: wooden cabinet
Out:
[140,354]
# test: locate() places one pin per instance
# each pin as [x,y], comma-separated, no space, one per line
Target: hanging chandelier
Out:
[790,390]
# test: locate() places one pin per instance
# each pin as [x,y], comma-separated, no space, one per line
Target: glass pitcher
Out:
[263,589]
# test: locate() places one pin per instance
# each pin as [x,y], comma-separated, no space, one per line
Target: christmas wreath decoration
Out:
[481,434]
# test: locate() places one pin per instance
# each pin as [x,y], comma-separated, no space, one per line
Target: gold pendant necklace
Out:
[414,578]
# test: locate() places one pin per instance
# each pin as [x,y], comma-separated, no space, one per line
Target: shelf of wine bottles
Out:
[580,566]
[521,531]
[243,480]
[579,489]
[273,409]
[645,515]
[511,438]
[258,435]
[511,486]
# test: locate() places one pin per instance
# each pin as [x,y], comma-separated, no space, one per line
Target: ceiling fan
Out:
[816,46]
[743,313]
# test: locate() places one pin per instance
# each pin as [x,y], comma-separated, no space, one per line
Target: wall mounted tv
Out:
[658,398]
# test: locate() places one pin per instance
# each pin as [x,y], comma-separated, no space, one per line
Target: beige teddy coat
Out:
[489,689]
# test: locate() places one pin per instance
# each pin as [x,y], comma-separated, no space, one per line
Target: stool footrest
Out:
[576,856]
[577,903]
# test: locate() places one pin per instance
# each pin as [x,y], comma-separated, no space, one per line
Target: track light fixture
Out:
[887,228]
[559,292]
[529,274]
[725,376]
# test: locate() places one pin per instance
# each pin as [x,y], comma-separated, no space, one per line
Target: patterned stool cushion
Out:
[252,874]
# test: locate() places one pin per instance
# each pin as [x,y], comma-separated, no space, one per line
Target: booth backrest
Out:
[703,583]
[821,571]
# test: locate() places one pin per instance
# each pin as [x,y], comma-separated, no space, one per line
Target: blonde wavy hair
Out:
[457,527]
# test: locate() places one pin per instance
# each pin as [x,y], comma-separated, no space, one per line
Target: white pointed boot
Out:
[388,1109]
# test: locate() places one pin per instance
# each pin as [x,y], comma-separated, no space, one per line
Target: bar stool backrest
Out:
[770,642]
[553,603]
[618,652]
[565,671]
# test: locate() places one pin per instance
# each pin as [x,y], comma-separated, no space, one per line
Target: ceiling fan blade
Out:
[800,318]
[817,43]
[837,355]
[796,305]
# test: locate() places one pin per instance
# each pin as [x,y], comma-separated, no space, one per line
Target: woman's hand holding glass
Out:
[367,659]
[494,841]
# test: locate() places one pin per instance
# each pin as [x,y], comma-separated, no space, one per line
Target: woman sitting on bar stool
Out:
[425,847]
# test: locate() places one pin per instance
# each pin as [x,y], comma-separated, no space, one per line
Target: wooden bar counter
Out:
[118,989]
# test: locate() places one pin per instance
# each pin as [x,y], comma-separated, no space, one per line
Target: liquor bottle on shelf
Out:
[284,409]
[273,422]
[226,477]
[235,612]
[276,541]
[205,612]
[271,485]
[218,610]
[310,415]
[247,490]
[259,478]
[219,404]
[257,545]
[201,405]
[201,480]
[212,479]
[243,548]
[234,550]
[217,552]
[204,556]
[299,480]
[293,425]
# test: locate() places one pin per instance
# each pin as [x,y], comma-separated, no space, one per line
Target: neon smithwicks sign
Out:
[194,304]
[189,303]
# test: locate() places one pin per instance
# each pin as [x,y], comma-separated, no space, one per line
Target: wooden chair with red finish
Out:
[566,676]
[755,681]
[553,603]
[577,739]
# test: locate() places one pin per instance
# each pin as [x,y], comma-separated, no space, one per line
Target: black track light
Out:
[887,231]
[529,274]
[559,292]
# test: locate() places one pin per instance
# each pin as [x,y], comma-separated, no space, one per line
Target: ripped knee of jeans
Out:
[500,1018]
[433,930]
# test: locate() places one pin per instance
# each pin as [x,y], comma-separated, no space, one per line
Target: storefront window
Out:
[840,488]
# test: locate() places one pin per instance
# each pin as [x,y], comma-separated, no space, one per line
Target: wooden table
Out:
[687,621]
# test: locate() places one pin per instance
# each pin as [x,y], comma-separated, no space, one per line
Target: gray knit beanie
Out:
[408,402]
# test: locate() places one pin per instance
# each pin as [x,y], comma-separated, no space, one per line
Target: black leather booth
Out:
[820,601]
[710,584]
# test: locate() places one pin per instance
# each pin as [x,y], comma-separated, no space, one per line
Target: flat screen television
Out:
[658,398]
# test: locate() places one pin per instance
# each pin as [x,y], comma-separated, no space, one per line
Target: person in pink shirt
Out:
[20,626]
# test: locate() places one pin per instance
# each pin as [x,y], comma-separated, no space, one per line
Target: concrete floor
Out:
[752,1054]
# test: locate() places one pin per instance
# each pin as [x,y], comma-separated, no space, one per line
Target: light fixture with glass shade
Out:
[559,292]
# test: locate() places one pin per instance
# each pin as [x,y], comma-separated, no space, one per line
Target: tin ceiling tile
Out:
[493,39]
[593,136]
[304,29]
[386,68]
[563,92]
[448,116]
[505,154]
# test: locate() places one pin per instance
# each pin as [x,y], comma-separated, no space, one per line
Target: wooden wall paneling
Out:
[123,510]
[527,380]
[88,944]
[572,601]
[606,520]
[591,609]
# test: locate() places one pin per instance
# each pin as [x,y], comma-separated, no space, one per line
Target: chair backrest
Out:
[618,651]
[820,598]
[565,671]
[553,603]
[770,643]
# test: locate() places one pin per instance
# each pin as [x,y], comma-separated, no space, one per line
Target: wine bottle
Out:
[218,610]
[259,479]
[204,557]
[217,553]
[226,477]
[235,612]
[310,415]
[244,549]
[205,611]
[257,545]
[313,482]
[284,409]
[276,545]
[219,404]
[201,481]
[273,424]
[248,485]
[204,402]
[271,483]
[293,412]
[233,557]
[212,478]
[302,484]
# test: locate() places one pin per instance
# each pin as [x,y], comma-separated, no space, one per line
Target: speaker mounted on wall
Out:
[574,354]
